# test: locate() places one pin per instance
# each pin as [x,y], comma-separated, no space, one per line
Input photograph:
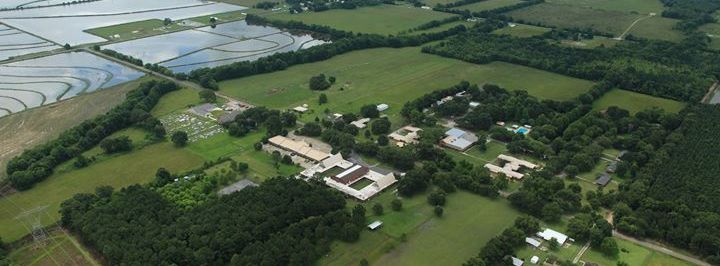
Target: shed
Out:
[534,260]
[474,104]
[382,107]
[517,262]
[300,109]
[374,225]
[533,242]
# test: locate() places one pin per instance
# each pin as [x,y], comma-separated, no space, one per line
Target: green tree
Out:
[207,95]
[258,146]
[81,161]
[396,205]
[378,209]
[553,244]
[167,21]
[552,212]
[609,247]
[180,138]
[380,126]
[319,83]
[370,111]
[322,99]
[358,215]
[438,211]
[383,140]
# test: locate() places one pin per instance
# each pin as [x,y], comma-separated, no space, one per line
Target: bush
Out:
[378,209]
[180,138]
[114,145]
[396,205]
[439,211]
[319,83]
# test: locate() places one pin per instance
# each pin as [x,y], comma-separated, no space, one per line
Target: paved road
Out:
[661,249]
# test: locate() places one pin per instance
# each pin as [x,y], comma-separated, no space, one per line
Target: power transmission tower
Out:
[32,220]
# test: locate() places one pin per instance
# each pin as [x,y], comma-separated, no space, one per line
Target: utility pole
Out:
[32,220]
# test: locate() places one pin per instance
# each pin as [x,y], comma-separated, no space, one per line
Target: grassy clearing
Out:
[468,223]
[383,19]
[477,157]
[657,28]
[635,102]
[150,27]
[175,101]
[443,27]
[565,16]
[391,76]
[39,125]
[61,249]
[713,31]
[637,6]
[632,254]
[131,168]
[522,30]
[432,3]
[488,5]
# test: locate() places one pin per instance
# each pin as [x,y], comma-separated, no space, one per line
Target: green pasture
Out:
[635,102]
[488,5]
[632,254]
[60,249]
[382,19]
[636,6]
[130,168]
[391,76]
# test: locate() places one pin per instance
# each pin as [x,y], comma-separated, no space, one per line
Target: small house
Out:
[534,260]
[533,242]
[603,179]
[517,262]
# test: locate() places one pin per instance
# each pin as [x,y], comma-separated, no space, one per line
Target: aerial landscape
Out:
[360,132]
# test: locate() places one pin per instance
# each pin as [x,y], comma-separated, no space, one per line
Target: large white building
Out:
[342,175]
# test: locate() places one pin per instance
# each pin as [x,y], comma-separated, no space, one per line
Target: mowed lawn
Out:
[131,168]
[633,255]
[469,221]
[635,102]
[638,6]
[488,5]
[391,76]
[382,19]
[610,21]
[61,249]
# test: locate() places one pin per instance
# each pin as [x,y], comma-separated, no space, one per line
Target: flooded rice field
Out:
[35,82]
[188,50]
[14,43]
[66,24]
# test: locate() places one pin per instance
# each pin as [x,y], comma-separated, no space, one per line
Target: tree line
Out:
[284,221]
[676,71]
[691,13]
[37,163]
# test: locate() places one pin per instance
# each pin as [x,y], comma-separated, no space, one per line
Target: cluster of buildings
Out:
[353,179]
[511,167]
[405,136]
[536,243]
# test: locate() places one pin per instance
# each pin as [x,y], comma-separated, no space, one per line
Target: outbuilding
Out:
[374,225]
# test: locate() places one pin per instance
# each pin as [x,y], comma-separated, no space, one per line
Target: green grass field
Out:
[432,3]
[488,5]
[383,19]
[609,21]
[468,223]
[477,157]
[635,102]
[638,6]
[176,101]
[633,255]
[521,30]
[61,249]
[443,27]
[450,240]
[392,76]
[127,169]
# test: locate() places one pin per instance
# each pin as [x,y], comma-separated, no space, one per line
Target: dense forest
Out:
[676,197]
[282,222]
[36,164]
[692,13]
[676,71]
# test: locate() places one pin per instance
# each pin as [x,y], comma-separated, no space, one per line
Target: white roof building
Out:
[459,139]
[374,225]
[360,123]
[511,167]
[406,135]
[382,107]
[300,148]
[300,109]
[549,234]
[534,260]
[533,242]
[517,262]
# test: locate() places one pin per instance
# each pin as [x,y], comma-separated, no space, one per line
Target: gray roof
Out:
[461,143]
[229,117]
[203,109]
[237,186]
[603,179]
[455,132]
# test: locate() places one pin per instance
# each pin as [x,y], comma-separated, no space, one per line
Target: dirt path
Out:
[711,93]
[622,36]
[661,249]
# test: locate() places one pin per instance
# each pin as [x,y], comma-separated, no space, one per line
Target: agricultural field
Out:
[14,42]
[210,46]
[444,27]
[391,76]
[46,80]
[488,5]
[635,102]
[46,122]
[609,21]
[450,240]
[383,19]
[637,6]
[60,249]
[522,30]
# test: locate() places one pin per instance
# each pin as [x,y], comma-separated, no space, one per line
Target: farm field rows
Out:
[383,19]
[391,76]
[35,82]
[14,43]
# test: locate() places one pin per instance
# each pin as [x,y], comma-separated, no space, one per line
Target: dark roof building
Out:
[603,180]
[352,174]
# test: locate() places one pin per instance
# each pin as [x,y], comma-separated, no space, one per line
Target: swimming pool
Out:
[522,130]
